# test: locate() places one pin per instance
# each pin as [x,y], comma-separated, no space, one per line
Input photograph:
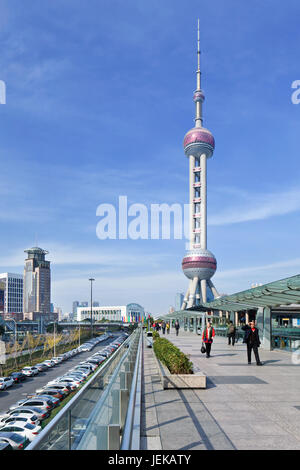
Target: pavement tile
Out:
[243,407]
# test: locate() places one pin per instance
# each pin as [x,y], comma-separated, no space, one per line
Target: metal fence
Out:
[105,414]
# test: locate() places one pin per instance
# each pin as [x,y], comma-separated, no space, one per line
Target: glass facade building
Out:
[11,293]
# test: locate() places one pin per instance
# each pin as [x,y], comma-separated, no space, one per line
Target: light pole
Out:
[91,281]
[54,339]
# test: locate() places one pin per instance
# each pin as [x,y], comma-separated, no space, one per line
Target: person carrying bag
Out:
[207,337]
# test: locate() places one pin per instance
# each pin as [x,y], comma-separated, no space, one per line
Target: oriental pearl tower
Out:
[199,264]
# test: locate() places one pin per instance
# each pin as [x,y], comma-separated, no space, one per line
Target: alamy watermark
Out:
[2,92]
[296,94]
[137,221]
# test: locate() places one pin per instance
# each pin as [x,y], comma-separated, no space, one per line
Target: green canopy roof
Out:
[283,292]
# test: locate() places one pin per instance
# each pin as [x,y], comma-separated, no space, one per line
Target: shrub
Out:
[174,359]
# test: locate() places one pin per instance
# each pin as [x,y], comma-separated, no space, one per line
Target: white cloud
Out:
[259,207]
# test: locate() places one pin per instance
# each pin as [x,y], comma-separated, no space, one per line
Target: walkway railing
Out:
[103,415]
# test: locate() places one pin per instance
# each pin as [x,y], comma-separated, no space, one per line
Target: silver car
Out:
[24,410]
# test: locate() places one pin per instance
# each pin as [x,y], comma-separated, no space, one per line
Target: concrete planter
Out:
[180,381]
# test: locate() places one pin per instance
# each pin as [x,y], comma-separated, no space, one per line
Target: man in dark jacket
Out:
[252,340]
[177,326]
[231,332]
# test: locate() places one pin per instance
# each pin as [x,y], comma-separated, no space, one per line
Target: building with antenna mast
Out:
[37,284]
[199,264]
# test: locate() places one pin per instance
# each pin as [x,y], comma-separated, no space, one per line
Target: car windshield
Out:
[29,426]
[13,436]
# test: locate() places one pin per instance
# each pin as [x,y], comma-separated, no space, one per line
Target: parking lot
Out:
[21,390]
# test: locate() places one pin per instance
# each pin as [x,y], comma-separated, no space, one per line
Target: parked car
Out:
[30,371]
[25,419]
[83,373]
[28,414]
[41,367]
[17,441]
[42,403]
[7,381]
[70,380]
[5,445]
[52,392]
[55,401]
[63,388]
[29,431]
[49,363]
[77,377]
[24,410]
[18,377]
[89,365]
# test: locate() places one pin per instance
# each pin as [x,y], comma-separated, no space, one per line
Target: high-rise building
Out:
[2,292]
[11,295]
[199,264]
[178,301]
[37,284]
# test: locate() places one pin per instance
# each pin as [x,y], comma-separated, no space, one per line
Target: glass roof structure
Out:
[277,293]
[283,292]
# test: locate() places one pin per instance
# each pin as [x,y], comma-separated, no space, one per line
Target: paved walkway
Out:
[243,407]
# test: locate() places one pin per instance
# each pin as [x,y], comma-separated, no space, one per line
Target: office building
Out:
[11,295]
[37,284]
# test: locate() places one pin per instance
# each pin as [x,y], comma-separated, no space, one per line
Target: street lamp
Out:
[91,281]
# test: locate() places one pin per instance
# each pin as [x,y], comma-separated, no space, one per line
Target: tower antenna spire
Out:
[198,95]
[198,55]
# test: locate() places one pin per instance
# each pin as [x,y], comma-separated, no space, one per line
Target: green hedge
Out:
[174,359]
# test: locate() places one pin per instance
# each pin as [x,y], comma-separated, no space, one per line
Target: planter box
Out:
[168,380]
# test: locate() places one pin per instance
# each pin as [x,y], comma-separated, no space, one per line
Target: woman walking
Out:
[207,337]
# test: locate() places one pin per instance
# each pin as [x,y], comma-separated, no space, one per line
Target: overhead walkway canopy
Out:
[283,292]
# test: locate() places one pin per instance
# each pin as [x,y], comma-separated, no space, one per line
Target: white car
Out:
[7,382]
[87,364]
[70,380]
[30,371]
[24,411]
[61,382]
[31,419]
[29,431]
[49,363]
[84,372]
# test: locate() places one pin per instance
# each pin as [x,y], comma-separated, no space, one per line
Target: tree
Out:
[50,328]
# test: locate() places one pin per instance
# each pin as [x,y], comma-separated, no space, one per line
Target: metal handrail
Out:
[131,433]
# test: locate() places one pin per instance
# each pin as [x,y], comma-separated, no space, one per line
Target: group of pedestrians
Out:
[251,338]
[164,326]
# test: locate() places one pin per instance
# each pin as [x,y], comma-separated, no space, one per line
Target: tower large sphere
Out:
[199,141]
[199,263]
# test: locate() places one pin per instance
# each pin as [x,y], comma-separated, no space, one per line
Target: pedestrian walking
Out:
[252,340]
[168,328]
[231,332]
[177,326]
[163,327]
[207,337]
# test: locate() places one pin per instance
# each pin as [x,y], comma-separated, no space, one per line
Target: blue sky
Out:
[99,98]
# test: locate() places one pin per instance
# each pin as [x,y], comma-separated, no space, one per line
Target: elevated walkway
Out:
[243,407]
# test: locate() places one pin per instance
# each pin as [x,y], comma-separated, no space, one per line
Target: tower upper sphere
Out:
[199,141]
